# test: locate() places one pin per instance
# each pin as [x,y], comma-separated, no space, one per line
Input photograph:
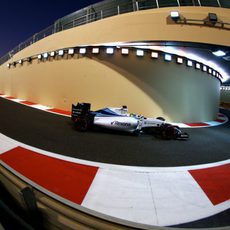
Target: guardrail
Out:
[104,9]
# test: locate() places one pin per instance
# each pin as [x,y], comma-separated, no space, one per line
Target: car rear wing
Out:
[80,110]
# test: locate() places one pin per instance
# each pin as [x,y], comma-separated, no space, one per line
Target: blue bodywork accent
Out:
[106,112]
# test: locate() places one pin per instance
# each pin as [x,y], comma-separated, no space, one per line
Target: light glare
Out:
[219,53]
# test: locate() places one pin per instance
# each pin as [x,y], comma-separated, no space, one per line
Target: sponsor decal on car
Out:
[117,123]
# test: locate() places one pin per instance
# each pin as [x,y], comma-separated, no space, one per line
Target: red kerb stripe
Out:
[215,182]
[66,179]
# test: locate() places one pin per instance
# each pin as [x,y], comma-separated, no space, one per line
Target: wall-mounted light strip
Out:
[110,50]
[125,51]
[95,50]
[71,51]
[82,50]
[52,54]
[189,63]
[140,53]
[168,57]
[60,52]
[154,55]
[179,60]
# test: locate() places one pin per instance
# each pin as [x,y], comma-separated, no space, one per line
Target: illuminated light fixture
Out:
[60,52]
[125,51]
[8,65]
[45,55]
[219,53]
[95,50]
[82,50]
[212,17]
[168,57]
[210,70]
[140,53]
[71,51]
[109,50]
[205,68]
[180,60]
[214,73]
[197,65]
[20,61]
[154,55]
[189,63]
[39,56]
[52,54]
[175,16]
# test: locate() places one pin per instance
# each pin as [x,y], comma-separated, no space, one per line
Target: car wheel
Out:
[81,125]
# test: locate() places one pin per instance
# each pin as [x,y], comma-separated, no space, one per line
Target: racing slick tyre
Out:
[167,132]
[81,124]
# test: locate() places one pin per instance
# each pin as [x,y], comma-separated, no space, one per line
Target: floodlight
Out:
[205,68]
[52,54]
[8,65]
[197,66]
[125,51]
[189,63]
[212,17]
[82,50]
[39,56]
[219,53]
[60,52]
[210,70]
[180,60]
[214,73]
[140,53]
[20,61]
[109,50]
[45,55]
[95,50]
[154,55]
[71,51]
[168,57]
[175,16]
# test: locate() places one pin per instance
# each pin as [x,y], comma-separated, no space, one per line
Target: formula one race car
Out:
[118,119]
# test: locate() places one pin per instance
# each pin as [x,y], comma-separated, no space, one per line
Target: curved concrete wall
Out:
[153,88]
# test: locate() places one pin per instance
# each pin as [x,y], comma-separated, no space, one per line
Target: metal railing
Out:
[106,9]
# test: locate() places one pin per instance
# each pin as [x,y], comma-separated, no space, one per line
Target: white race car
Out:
[118,119]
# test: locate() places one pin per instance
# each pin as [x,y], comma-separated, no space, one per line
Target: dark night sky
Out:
[20,19]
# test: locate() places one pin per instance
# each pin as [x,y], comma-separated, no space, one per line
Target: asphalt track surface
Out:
[55,133]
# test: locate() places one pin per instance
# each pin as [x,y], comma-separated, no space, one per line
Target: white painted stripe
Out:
[17,100]
[122,195]
[6,144]
[41,107]
[156,198]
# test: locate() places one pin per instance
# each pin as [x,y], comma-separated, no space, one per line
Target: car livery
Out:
[118,119]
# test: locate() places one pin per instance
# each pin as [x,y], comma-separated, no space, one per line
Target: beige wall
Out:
[147,86]
[153,88]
